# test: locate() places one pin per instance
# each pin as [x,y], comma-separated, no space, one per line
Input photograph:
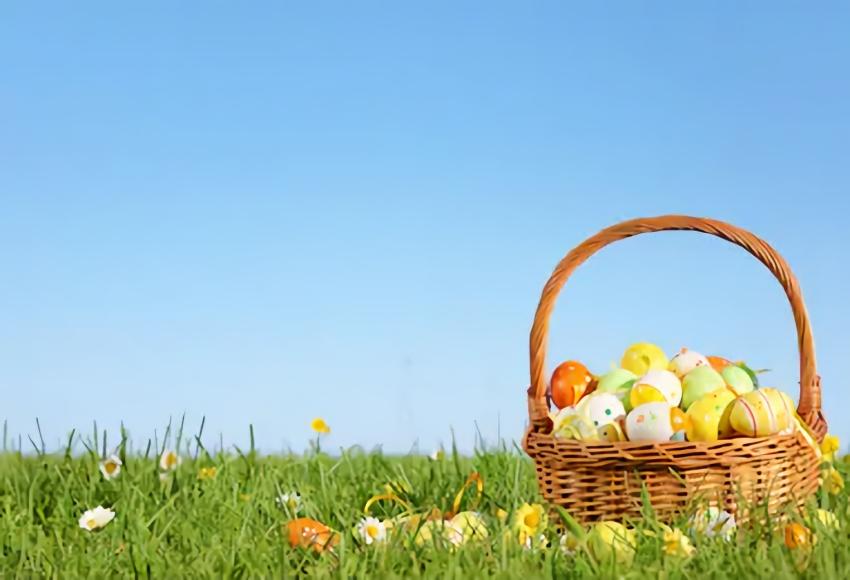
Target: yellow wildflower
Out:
[319,426]
[827,519]
[829,447]
[677,544]
[529,519]
[501,515]
[207,473]
[833,482]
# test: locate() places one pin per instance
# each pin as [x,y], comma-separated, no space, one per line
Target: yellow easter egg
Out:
[643,357]
[705,415]
[612,432]
[641,394]
[612,541]
[761,413]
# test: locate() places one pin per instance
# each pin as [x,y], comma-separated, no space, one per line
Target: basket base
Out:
[615,481]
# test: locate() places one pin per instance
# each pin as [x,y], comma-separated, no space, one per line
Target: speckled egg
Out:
[698,383]
[737,379]
[663,381]
[705,415]
[654,422]
[687,360]
[601,408]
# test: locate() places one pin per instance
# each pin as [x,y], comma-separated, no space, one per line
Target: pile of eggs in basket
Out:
[652,398]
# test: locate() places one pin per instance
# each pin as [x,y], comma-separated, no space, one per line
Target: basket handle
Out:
[809,407]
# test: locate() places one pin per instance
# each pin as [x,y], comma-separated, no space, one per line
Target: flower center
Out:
[110,467]
[532,520]
[372,531]
[171,459]
[91,523]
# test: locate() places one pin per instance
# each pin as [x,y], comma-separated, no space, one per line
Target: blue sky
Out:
[272,212]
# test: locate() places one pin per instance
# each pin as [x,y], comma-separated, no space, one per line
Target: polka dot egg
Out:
[602,408]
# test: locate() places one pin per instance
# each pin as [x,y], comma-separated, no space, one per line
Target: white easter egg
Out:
[654,422]
[602,408]
[686,361]
[667,383]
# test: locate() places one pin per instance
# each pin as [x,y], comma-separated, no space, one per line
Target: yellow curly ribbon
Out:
[390,496]
[808,435]
[475,478]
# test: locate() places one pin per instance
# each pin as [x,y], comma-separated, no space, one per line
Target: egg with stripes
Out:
[761,413]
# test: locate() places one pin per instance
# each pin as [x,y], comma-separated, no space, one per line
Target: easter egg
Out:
[663,381]
[704,416]
[698,383]
[761,413]
[737,379]
[718,363]
[601,408]
[570,382]
[619,382]
[641,394]
[470,524]
[654,422]
[643,357]
[608,541]
[612,432]
[686,361]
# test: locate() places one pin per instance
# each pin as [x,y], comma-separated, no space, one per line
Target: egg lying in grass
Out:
[708,418]
[686,361]
[643,357]
[654,422]
[737,379]
[617,382]
[570,382]
[761,413]
[601,408]
[656,385]
[698,383]
[609,541]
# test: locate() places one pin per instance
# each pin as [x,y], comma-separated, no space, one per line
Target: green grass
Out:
[231,525]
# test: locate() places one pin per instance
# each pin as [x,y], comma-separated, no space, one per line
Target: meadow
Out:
[194,512]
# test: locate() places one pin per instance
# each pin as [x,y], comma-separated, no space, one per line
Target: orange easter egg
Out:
[718,363]
[570,382]
[308,533]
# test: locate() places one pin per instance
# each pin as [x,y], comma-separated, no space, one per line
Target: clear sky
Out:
[264,213]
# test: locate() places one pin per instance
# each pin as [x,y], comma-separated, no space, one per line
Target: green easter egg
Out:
[738,379]
[618,382]
[698,383]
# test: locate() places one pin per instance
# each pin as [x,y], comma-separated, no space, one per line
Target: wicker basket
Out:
[604,481]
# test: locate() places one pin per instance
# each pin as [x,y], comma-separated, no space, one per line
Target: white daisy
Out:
[111,467]
[96,518]
[541,542]
[569,544]
[291,502]
[438,455]
[714,523]
[372,530]
[169,460]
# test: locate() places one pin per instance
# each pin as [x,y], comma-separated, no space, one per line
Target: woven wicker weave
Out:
[603,481]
